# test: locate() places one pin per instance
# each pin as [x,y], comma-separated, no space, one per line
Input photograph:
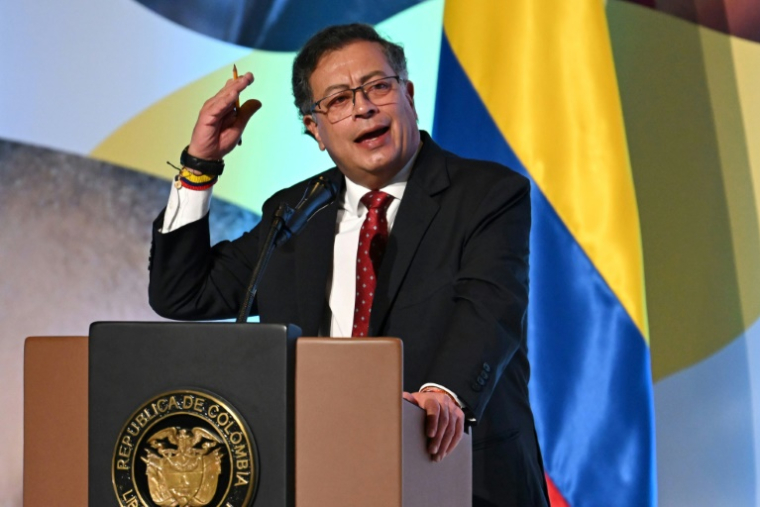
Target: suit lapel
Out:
[314,257]
[417,210]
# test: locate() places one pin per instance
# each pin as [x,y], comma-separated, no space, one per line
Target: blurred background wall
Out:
[96,96]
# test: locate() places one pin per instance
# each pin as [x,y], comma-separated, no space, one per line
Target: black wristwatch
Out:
[209,167]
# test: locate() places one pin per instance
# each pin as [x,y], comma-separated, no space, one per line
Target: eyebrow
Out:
[367,77]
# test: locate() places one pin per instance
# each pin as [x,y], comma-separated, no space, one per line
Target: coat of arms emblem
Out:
[185,448]
[183,475]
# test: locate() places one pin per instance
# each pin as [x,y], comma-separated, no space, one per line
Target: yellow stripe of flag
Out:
[545,72]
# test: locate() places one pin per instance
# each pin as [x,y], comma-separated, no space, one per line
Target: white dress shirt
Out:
[341,288]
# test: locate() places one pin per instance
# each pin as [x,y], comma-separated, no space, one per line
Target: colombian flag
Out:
[531,84]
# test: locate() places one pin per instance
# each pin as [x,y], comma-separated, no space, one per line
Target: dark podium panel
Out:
[251,367]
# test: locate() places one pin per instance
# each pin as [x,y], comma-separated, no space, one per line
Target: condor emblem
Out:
[185,448]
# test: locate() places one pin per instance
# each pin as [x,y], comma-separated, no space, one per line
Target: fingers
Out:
[453,433]
[444,422]
[219,105]
[409,397]
[247,110]
[225,99]
[219,126]
[241,83]
[449,432]
[437,421]
[433,411]
[247,77]
[236,86]
[235,123]
[237,120]
[458,432]
[447,435]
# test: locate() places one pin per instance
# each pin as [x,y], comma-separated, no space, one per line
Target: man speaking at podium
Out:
[420,244]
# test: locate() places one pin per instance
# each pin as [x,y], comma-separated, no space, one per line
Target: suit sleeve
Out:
[486,333]
[190,280]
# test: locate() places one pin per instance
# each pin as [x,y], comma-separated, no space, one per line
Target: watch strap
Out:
[209,167]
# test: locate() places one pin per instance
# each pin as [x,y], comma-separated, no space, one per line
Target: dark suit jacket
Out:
[453,286]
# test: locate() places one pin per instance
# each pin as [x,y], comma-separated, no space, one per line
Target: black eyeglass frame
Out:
[353,91]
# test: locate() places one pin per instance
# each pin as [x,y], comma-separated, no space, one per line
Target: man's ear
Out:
[409,90]
[311,125]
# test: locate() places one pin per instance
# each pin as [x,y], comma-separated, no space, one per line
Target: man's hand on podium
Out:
[444,423]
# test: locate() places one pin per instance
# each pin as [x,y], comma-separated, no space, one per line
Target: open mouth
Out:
[373,134]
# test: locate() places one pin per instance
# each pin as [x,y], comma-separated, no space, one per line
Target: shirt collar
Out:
[351,199]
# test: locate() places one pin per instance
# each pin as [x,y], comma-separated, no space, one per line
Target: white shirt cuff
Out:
[449,392]
[185,206]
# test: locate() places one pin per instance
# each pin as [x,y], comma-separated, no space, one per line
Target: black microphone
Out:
[319,194]
[286,223]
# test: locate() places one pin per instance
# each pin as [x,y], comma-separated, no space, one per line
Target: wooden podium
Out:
[327,416]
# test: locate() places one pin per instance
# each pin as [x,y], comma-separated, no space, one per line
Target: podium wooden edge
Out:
[357,441]
[55,426]
[348,422]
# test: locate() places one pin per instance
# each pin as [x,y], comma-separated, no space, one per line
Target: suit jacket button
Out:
[481,381]
[486,368]
[476,387]
[484,375]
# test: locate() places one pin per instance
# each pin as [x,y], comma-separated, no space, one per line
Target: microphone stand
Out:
[281,216]
[287,222]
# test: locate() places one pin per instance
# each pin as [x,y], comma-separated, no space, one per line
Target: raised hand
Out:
[219,126]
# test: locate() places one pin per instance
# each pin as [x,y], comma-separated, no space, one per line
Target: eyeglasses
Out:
[340,105]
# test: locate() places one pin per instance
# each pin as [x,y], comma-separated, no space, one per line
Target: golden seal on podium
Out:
[185,448]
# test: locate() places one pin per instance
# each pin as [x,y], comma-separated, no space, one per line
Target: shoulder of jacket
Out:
[483,172]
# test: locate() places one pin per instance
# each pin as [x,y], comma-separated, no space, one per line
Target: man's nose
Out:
[362,104]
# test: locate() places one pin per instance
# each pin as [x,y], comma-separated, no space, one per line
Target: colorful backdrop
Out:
[637,121]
